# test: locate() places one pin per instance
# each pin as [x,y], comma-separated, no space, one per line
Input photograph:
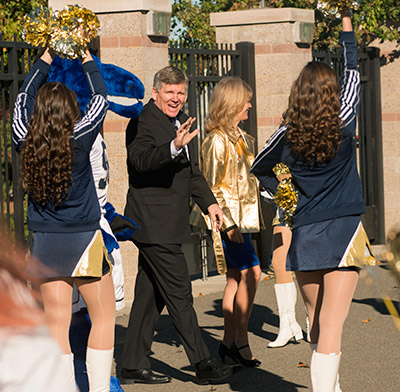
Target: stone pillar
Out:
[278,58]
[390,95]
[124,41]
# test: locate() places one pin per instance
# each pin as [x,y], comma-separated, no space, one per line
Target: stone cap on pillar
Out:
[261,16]
[109,6]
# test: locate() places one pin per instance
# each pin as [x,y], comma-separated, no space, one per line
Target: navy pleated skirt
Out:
[336,243]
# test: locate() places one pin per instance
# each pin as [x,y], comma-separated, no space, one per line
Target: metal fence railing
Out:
[16,58]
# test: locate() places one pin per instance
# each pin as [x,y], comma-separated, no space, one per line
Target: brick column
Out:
[278,58]
[124,42]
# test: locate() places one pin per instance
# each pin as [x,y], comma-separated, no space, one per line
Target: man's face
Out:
[170,98]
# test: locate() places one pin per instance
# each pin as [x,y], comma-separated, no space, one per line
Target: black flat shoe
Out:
[143,376]
[225,351]
[247,363]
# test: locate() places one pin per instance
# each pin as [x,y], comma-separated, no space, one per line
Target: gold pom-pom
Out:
[280,169]
[76,27]
[336,6]
[67,32]
[38,26]
[286,195]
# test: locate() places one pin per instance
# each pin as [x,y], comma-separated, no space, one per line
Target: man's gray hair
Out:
[169,75]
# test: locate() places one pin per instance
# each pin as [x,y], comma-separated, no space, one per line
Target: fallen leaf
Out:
[200,294]
[213,388]
[269,277]
[304,365]
[367,320]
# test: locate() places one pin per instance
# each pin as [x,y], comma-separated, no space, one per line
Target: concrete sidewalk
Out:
[371,342]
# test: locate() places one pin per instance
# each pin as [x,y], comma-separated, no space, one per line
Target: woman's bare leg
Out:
[339,288]
[100,301]
[57,301]
[327,295]
[246,292]
[311,288]
[282,236]
[228,305]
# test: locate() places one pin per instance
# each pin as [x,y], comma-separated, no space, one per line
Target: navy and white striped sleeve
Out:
[25,102]
[86,131]
[267,158]
[350,83]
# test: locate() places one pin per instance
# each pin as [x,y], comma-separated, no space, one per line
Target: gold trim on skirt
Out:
[91,262]
[358,252]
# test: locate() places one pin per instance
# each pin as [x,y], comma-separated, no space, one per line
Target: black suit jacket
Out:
[160,187]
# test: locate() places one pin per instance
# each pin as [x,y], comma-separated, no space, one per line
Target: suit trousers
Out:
[162,280]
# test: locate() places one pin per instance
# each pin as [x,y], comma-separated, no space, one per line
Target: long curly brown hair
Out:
[312,117]
[46,154]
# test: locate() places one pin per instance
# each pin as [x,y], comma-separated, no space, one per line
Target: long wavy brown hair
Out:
[312,117]
[46,155]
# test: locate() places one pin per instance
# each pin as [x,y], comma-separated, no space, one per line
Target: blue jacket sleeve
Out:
[350,82]
[267,158]
[86,130]
[25,101]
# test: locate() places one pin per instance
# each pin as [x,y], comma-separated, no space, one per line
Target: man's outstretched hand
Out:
[183,134]
[216,214]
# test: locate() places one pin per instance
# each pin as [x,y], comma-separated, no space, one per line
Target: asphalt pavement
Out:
[370,344]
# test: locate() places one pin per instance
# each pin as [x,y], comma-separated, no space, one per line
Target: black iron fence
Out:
[369,136]
[16,58]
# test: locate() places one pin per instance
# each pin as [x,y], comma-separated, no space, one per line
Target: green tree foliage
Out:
[372,19]
[12,13]
[191,18]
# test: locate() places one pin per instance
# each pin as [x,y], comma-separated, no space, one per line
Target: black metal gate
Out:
[369,137]
[16,58]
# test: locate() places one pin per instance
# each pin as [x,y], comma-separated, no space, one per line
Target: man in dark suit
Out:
[163,177]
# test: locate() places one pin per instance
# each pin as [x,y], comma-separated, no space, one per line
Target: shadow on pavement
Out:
[377,304]
[246,380]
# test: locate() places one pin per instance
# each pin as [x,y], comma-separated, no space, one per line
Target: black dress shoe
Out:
[144,376]
[213,371]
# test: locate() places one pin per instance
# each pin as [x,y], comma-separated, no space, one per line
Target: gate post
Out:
[372,169]
[248,74]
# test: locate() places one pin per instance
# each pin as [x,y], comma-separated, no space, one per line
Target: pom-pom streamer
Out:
[67,32]
[336,6]
[286,195]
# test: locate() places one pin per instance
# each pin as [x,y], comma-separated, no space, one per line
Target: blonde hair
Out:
[228,99]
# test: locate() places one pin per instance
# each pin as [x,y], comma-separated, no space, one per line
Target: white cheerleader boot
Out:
[286,296]
[337,385]
[98,365]
[68,360]
[324,371]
